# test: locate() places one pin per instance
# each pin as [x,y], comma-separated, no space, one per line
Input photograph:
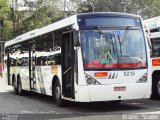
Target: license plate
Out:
[121,88]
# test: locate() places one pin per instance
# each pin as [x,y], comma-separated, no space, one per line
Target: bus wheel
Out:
[156,87]
[20,91]
[14,86]
[57,94]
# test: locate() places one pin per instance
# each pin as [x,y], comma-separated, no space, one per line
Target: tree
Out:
[100,6]
[150,8]
[145,8]
[5,23]
[84,6]
[37,14]
[68,7]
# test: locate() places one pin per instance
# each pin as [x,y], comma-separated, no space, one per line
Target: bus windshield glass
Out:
[113,48]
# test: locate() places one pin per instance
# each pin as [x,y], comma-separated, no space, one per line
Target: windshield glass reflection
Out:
[105,49]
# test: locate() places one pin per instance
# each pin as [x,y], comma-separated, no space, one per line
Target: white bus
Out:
[83,58]
[153,32]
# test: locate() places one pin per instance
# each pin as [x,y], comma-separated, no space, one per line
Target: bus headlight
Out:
[91,81]
[143,79]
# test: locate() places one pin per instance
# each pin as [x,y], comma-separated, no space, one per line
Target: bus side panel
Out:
[13,73]
[24,75]
[44,76]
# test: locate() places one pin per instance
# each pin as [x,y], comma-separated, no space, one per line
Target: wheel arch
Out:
[155,78]
[154,74]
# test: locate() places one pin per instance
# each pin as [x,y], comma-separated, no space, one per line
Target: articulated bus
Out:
[152,26]
[84,58]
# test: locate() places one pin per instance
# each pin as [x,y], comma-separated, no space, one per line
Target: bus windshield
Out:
[115,48]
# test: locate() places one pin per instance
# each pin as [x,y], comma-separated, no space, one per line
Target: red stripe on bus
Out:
[116,65]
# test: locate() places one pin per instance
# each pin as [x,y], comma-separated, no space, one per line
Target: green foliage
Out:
[84,6]
[145,8]
[7,30]
[5,23]
[150,8]
[40,13]
[106,6]
[4,9]
[101,5]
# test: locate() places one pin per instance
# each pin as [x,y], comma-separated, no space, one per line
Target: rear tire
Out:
[156,87]
[19,84]
[14,84]
[58,94]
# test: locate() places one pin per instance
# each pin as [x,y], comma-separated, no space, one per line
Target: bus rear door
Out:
[32,63]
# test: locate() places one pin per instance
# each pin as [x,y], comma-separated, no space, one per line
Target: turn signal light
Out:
[100,74]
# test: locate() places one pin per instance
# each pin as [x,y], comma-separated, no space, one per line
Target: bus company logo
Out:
[156,62]
[100,74]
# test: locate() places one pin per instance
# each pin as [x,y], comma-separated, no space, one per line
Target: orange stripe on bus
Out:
[101,74]
[155,62]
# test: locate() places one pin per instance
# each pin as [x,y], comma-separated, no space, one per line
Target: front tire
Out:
[156,87]
[58,94]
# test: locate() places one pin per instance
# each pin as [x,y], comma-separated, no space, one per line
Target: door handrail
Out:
[67,70]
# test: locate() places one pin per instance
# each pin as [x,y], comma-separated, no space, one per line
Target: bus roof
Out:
[152,23]
[108,14]
[72,20]
[34,33]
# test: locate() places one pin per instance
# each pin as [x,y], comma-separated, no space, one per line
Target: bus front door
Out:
[67,65]
[32,63]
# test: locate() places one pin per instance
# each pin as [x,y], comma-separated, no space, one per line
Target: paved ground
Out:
[41,107]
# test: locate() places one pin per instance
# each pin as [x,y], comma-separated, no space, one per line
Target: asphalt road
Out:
[40,107]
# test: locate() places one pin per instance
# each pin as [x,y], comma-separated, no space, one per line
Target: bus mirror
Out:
[76,39]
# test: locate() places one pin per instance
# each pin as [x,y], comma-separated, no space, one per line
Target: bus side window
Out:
[12,57]
[49,60]
[57,59]
[43,60]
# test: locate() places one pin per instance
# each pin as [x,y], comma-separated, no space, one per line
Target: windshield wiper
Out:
[102,33]
[122,39]
[107,38]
